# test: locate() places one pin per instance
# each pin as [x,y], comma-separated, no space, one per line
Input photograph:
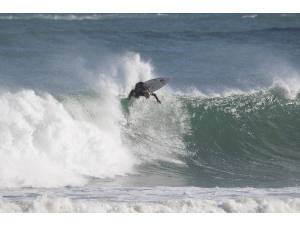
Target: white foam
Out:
[161,199]
[41,144]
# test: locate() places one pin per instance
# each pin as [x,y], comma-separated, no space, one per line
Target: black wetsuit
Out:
[141,90]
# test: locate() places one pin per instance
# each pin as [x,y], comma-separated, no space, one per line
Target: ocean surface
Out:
[226,137]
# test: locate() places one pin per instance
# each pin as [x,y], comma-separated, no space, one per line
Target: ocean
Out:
[226,137]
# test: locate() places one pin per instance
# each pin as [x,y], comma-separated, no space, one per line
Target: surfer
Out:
[141,90]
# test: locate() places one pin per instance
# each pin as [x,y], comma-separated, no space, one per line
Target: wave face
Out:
[248,139]
[245,138]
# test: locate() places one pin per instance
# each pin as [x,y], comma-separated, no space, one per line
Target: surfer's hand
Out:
[159,101]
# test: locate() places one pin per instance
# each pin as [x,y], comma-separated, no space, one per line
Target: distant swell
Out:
[73,17]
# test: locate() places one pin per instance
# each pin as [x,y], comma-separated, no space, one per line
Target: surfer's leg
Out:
[153,94]
[146,93]
[131,94]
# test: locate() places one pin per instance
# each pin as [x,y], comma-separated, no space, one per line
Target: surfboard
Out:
[157,83]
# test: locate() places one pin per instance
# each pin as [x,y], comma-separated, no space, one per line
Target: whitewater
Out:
[224,139]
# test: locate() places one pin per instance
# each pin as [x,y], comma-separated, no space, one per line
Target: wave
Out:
[68,139]
[245,138]
[229,138]
[235,138]
[53,141]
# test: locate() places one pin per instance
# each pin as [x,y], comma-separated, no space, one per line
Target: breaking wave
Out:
[232,138]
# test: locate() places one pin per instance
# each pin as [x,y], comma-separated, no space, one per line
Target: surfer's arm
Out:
[131,94]
[153,94]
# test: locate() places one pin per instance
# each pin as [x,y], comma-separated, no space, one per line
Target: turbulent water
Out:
[224,139]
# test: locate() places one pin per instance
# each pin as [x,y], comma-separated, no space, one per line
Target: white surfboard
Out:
[157,83]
